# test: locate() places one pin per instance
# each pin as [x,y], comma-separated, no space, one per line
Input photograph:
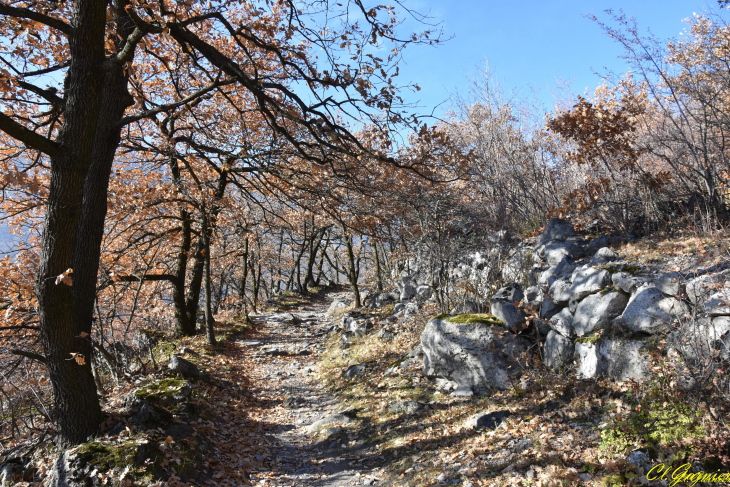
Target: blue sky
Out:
[530,43]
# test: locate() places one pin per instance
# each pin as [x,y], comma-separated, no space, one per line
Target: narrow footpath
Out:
[281,400]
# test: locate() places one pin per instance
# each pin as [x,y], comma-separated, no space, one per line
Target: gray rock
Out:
[555,252]
[337,305]
[563,323]
[354,371]
[73,469]
[346,338]
[339,418]
[386,335]
[403,282]
[615,358]
[398,308]
[359,328]
[406,407]
[345,322]
[586,357]
[410,310]
[181,366]
[508,313]
[533,293]
[718,304]
[549,308]
[487,421]
[475,355]
[558,350]
[382,299]
[587,281]
[408,292]
[650,311]
[462,391]
[604,256]
[624,359]
[560,291]
[701,288]
[604,241]
[510,293]
[424,293]
[628,283]
[672,284]
[556,229]
[701,338]
[597,311]
[641,460]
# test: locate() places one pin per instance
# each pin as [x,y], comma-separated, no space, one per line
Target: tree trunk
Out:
[209,322]
[378,278]
[352,271]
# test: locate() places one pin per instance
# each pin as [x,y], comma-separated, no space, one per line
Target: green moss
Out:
[475,318]
[442,316]
[589,339]
[653,421]
[108,456]
[161,391]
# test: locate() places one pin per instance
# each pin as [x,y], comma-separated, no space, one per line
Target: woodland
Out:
[173,168]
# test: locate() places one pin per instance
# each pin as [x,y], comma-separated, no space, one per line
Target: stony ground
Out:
[286,398]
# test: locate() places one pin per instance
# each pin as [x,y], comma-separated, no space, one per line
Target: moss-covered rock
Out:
[165,393]
[465,319]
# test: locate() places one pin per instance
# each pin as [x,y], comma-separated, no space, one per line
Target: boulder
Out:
[408,292]
[556,229]
[398,308]
[628,283]
[604,241]
[403,282]
[649,310]
[359,328]
[487,421]
[508,313]
[510,293]
[382,299]
[424,293]
[78,467]
[345,417]
[701,288]
[554,252]
[558,350]
[586,357]
[718,304]
[386,335]
[587,281]
[604,256]
[560,291]
[337,305]
[410,310]
[475,355]
[181,366]
[549,308]
[533,294]
[618,359]
[354,371]
[672,284]
[624,359]
[597,311]
[701,338]
[406,407]
[563,323]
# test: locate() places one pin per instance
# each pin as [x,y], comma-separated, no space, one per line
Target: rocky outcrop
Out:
[476,355]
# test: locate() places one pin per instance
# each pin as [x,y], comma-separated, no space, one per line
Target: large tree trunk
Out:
[209,321]
[96,99]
